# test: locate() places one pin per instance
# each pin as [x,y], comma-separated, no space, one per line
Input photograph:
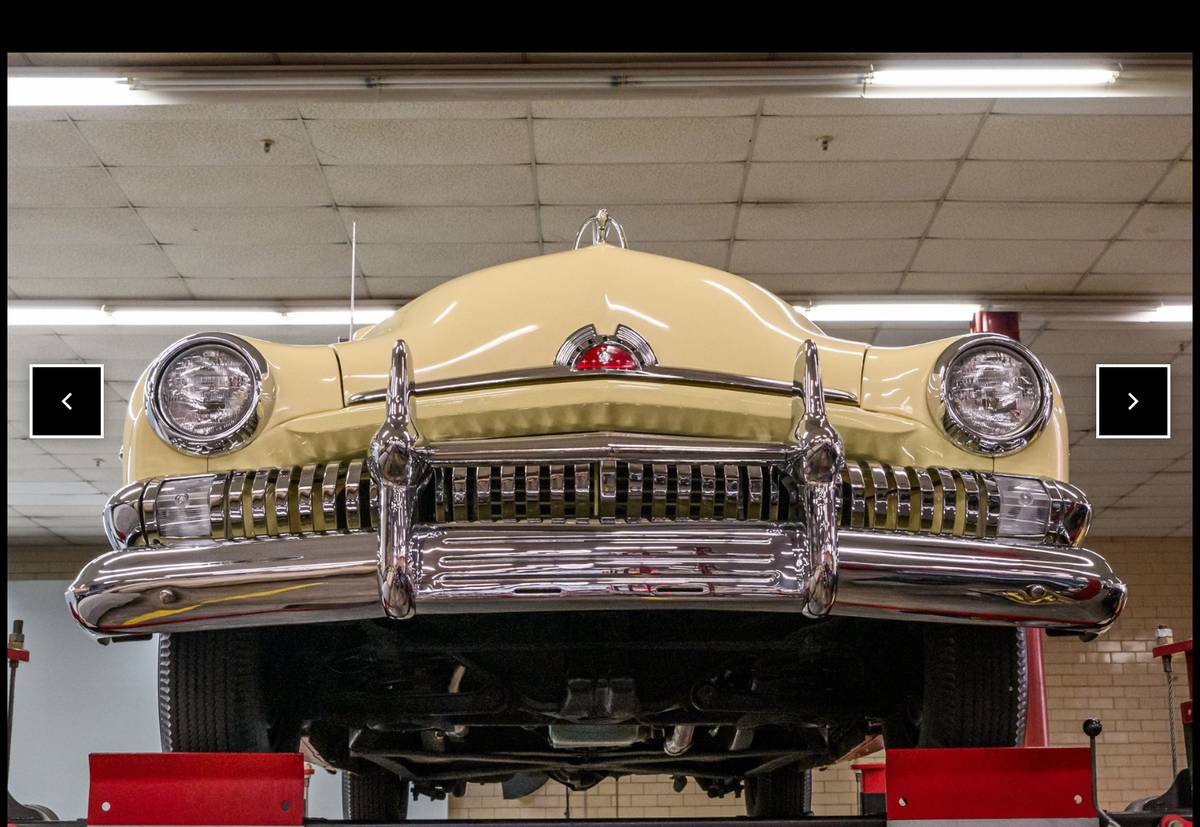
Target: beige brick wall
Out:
[1114,678]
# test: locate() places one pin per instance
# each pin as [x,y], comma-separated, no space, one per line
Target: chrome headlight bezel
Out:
[231,438]
[952,423]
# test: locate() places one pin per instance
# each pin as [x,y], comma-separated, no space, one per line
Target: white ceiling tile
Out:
[47,144]
[1094,106]
[402,288]
[69,226]
[639,140]
[1181,365]
[282,262]
[214,186]
[425,259]
[957,283]
[708,253]
[865,256]
[383,225]
[836,220]
[394,185]
[798,285]
[639,107]
[245,111]
[611,184]
[142,343]
[849,181]
[100,289]
[1127,182]
[184,143]
[62,187]
[1172,284]
[679,222]
[813,106]
[333,287]
[244,225]
[1082,137]
[892,138]
[1160,221]
[1177,186]
[36,113]
[415,110]
[988,256]
[87,261]
[1147,257]
[1111,342]
[35,345]
[959,219]
[420,142]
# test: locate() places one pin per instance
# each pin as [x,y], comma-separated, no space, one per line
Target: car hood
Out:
[517,316]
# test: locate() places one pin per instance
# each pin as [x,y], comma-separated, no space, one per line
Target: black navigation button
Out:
[66,401]
[1133,401]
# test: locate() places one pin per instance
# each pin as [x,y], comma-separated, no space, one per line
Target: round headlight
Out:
[204,395]
[991,395]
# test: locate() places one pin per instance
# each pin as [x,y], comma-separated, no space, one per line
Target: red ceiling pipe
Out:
[1037,732]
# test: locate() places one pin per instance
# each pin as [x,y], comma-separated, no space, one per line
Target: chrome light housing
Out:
[990,394]
[209,394]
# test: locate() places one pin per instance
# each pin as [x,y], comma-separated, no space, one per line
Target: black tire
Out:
[974,691]
[379,796]
[783,793]
[214,696]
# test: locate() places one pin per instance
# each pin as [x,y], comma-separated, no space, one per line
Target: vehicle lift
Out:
[1022,786]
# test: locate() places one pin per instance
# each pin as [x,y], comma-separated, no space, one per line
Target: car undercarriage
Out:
[579,696]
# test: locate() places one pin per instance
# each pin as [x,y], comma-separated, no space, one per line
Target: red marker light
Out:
[606,356]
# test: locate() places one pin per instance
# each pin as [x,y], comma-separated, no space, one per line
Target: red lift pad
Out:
[191,788]
[1046,784]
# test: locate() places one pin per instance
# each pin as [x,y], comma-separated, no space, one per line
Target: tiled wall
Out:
[1114,678]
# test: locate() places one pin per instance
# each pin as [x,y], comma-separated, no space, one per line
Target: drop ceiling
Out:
[252,202]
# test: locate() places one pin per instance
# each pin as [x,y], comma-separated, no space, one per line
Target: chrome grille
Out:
[340,496]
[609,490]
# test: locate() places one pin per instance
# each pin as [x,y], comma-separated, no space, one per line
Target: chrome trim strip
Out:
[593,447]
[560,373]
[354,479]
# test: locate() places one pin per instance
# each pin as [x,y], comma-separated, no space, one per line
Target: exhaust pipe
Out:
[680,739]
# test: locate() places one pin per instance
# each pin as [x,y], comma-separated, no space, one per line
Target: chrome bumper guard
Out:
[330,564]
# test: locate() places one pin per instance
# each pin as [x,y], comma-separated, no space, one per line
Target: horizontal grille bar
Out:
[338,497]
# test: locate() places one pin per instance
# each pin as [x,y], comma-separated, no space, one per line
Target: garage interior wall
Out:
[1114,678]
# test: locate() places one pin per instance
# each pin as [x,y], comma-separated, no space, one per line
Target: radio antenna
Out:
[353,272]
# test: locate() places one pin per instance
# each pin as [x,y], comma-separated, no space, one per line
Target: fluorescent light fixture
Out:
[56,316]
[218,318]
[888,312]
[1165,313]
[990,77]
[975,81]
[59,91]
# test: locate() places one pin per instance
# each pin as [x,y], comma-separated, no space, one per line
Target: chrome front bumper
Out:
[327,563]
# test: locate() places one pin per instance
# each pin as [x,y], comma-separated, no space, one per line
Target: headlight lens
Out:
[993,394]
[206,394]
[206,390]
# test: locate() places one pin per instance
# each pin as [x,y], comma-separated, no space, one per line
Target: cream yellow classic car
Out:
[593,514]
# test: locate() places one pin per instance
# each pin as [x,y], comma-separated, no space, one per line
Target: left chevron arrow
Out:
[64,401]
